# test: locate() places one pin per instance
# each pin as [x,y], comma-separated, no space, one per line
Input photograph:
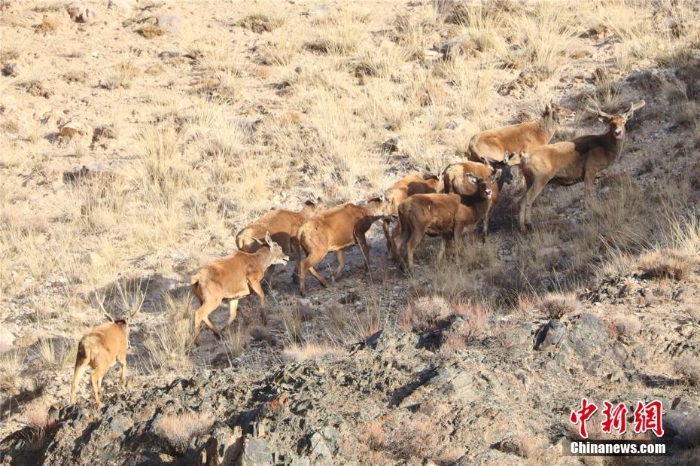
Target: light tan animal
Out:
[233,277]
[440,215]
[455,180]
[494,144]
[283,226]
[100,349]
[414,183]
[571,162]
[334,230]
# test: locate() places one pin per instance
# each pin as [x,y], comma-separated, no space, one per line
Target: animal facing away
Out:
[283,226]
[233,277]
[440,214]
[571,162]
[334,230]
[494,144]
[100,349]
[414,183]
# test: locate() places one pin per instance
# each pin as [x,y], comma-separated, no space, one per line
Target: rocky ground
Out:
[138,137]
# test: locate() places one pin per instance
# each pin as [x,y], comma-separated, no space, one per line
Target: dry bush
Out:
[340,35]
[301,352]
[169,344]
[261,22]
[627,326]
[11,365]
[542,40]
[56,357]
[372,435]
[416,437]
[382,61]
[37,418]
[150,31]
[122,76]
[424,313]
[47,26]
[474,87]
[689,367]
[282,51]
[666,264]
[235,341]
[557,305]
[180,429]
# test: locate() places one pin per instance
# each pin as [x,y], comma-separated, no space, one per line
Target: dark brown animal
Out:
[440,215]
[571,162]
[233,277]
[334,230]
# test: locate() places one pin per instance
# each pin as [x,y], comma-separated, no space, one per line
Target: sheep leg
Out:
[308,264]
[388,236]
[589,179]
[97,374]
[202,315]
[80,368]
[395,235]
[295,248]
[527,200]
[364,247]
[340,255]
[121,358]
[255,285]
[232,313]
[411,246]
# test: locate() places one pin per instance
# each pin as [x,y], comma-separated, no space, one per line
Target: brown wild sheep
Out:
[414,183]
[283,226]
[334,230]
[440,215]
[100,349]
[455,180]
[494,144]
[233,277]
[570,162]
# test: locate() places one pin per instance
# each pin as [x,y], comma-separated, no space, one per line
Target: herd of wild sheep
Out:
[423,204]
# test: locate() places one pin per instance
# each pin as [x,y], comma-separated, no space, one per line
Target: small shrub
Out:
[689,367]
[150,31]
[423,314]
[260,23]
[666,264]
[627,325]
[556,306]
[180,429]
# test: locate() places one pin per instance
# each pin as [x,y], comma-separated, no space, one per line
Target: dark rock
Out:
[549,335]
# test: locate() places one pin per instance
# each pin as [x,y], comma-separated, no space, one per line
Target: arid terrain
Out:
[138,137]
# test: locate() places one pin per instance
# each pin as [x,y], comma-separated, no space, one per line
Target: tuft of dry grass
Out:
[666,264]
[150,31]
[261,22]
[122,76]
[180,429]
[424,313]
[170,344]
[56,357]
[11,365]
[557,305]
[689,367]
[301,352]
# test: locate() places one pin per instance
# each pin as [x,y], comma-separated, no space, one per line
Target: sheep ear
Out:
[473,179]
[497,175]
[268,239]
